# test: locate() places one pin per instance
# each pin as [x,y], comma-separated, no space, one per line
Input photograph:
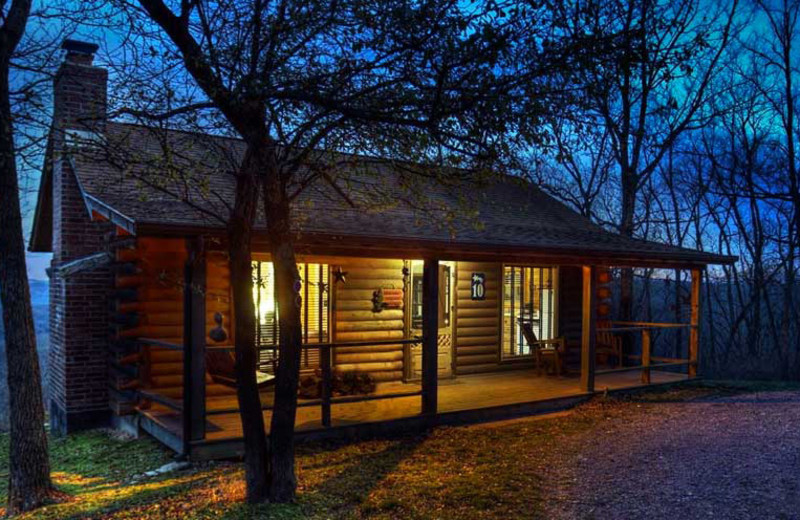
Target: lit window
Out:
[314,311]
[416,295]
[529,300]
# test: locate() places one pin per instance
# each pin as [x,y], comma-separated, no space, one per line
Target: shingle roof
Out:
[161,180]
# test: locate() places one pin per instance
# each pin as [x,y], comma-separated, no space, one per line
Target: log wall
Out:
[477,321]
[150,300]
[355,320]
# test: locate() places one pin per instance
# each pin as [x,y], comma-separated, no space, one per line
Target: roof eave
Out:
[362,245]
[95,205]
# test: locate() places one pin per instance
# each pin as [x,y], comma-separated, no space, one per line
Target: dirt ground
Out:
[711,456]
[713,450]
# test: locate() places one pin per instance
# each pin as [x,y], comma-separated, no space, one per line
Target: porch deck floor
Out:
[465,392]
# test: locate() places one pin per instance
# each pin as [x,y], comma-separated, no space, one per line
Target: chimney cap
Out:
[79,47]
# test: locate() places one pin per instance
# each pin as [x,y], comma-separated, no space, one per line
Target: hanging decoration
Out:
[218,333]
[378,304]
[339,275]
[393,298]
[298,299]
[387,299]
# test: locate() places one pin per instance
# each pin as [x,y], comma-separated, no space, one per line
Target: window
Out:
[445,296]
[313,312]
[416,295]
[529,301]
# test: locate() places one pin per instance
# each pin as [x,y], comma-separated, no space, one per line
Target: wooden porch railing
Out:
[590,329]
[193,422]
[326,368]
[648,361]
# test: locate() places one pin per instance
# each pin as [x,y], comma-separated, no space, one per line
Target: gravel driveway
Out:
[713,457]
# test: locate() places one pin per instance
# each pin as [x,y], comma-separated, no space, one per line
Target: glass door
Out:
[445,310]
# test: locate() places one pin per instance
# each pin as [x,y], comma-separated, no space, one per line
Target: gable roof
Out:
[156,182]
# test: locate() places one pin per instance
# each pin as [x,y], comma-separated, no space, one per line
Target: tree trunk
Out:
[283,481]
[626,273]
[240,227]
[678,299]
[788,65]
[626,229]
[29,484]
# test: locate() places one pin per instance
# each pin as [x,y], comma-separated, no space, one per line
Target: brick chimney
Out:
[80,90]
[78,370]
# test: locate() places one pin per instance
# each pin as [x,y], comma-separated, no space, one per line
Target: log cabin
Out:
[425,299]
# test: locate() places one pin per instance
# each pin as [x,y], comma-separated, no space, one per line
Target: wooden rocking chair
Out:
[608,344]
[221,364]
[543,352]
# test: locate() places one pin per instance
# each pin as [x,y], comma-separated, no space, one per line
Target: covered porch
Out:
[203,422]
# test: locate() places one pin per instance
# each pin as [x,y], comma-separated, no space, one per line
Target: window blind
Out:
[529,300]
[314,312]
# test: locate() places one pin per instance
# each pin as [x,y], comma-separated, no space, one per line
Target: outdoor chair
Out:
[220,365]
[551,353]
[608,344]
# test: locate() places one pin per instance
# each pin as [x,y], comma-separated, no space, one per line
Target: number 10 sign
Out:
[478,286]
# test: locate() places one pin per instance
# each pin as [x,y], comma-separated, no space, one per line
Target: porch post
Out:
[325,365]
[646,357]
[694,331]
[430,334]
[588,332]
[194,344]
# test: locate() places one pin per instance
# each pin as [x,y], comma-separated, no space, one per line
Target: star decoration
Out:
[339,275]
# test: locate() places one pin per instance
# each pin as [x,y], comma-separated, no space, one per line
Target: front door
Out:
[445,333]
[445,338]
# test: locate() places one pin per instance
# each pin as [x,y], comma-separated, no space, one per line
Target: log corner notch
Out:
[430,336]
[588,328]
[694,331]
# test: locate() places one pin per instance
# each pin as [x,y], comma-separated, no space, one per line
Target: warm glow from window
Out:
[314,310]
[529,303]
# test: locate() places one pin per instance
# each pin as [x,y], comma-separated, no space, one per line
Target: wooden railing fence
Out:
[648,361]
[193,423]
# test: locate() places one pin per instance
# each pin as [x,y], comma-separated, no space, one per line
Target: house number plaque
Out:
[478,286]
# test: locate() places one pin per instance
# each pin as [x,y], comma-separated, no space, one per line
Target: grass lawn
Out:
[484,471]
